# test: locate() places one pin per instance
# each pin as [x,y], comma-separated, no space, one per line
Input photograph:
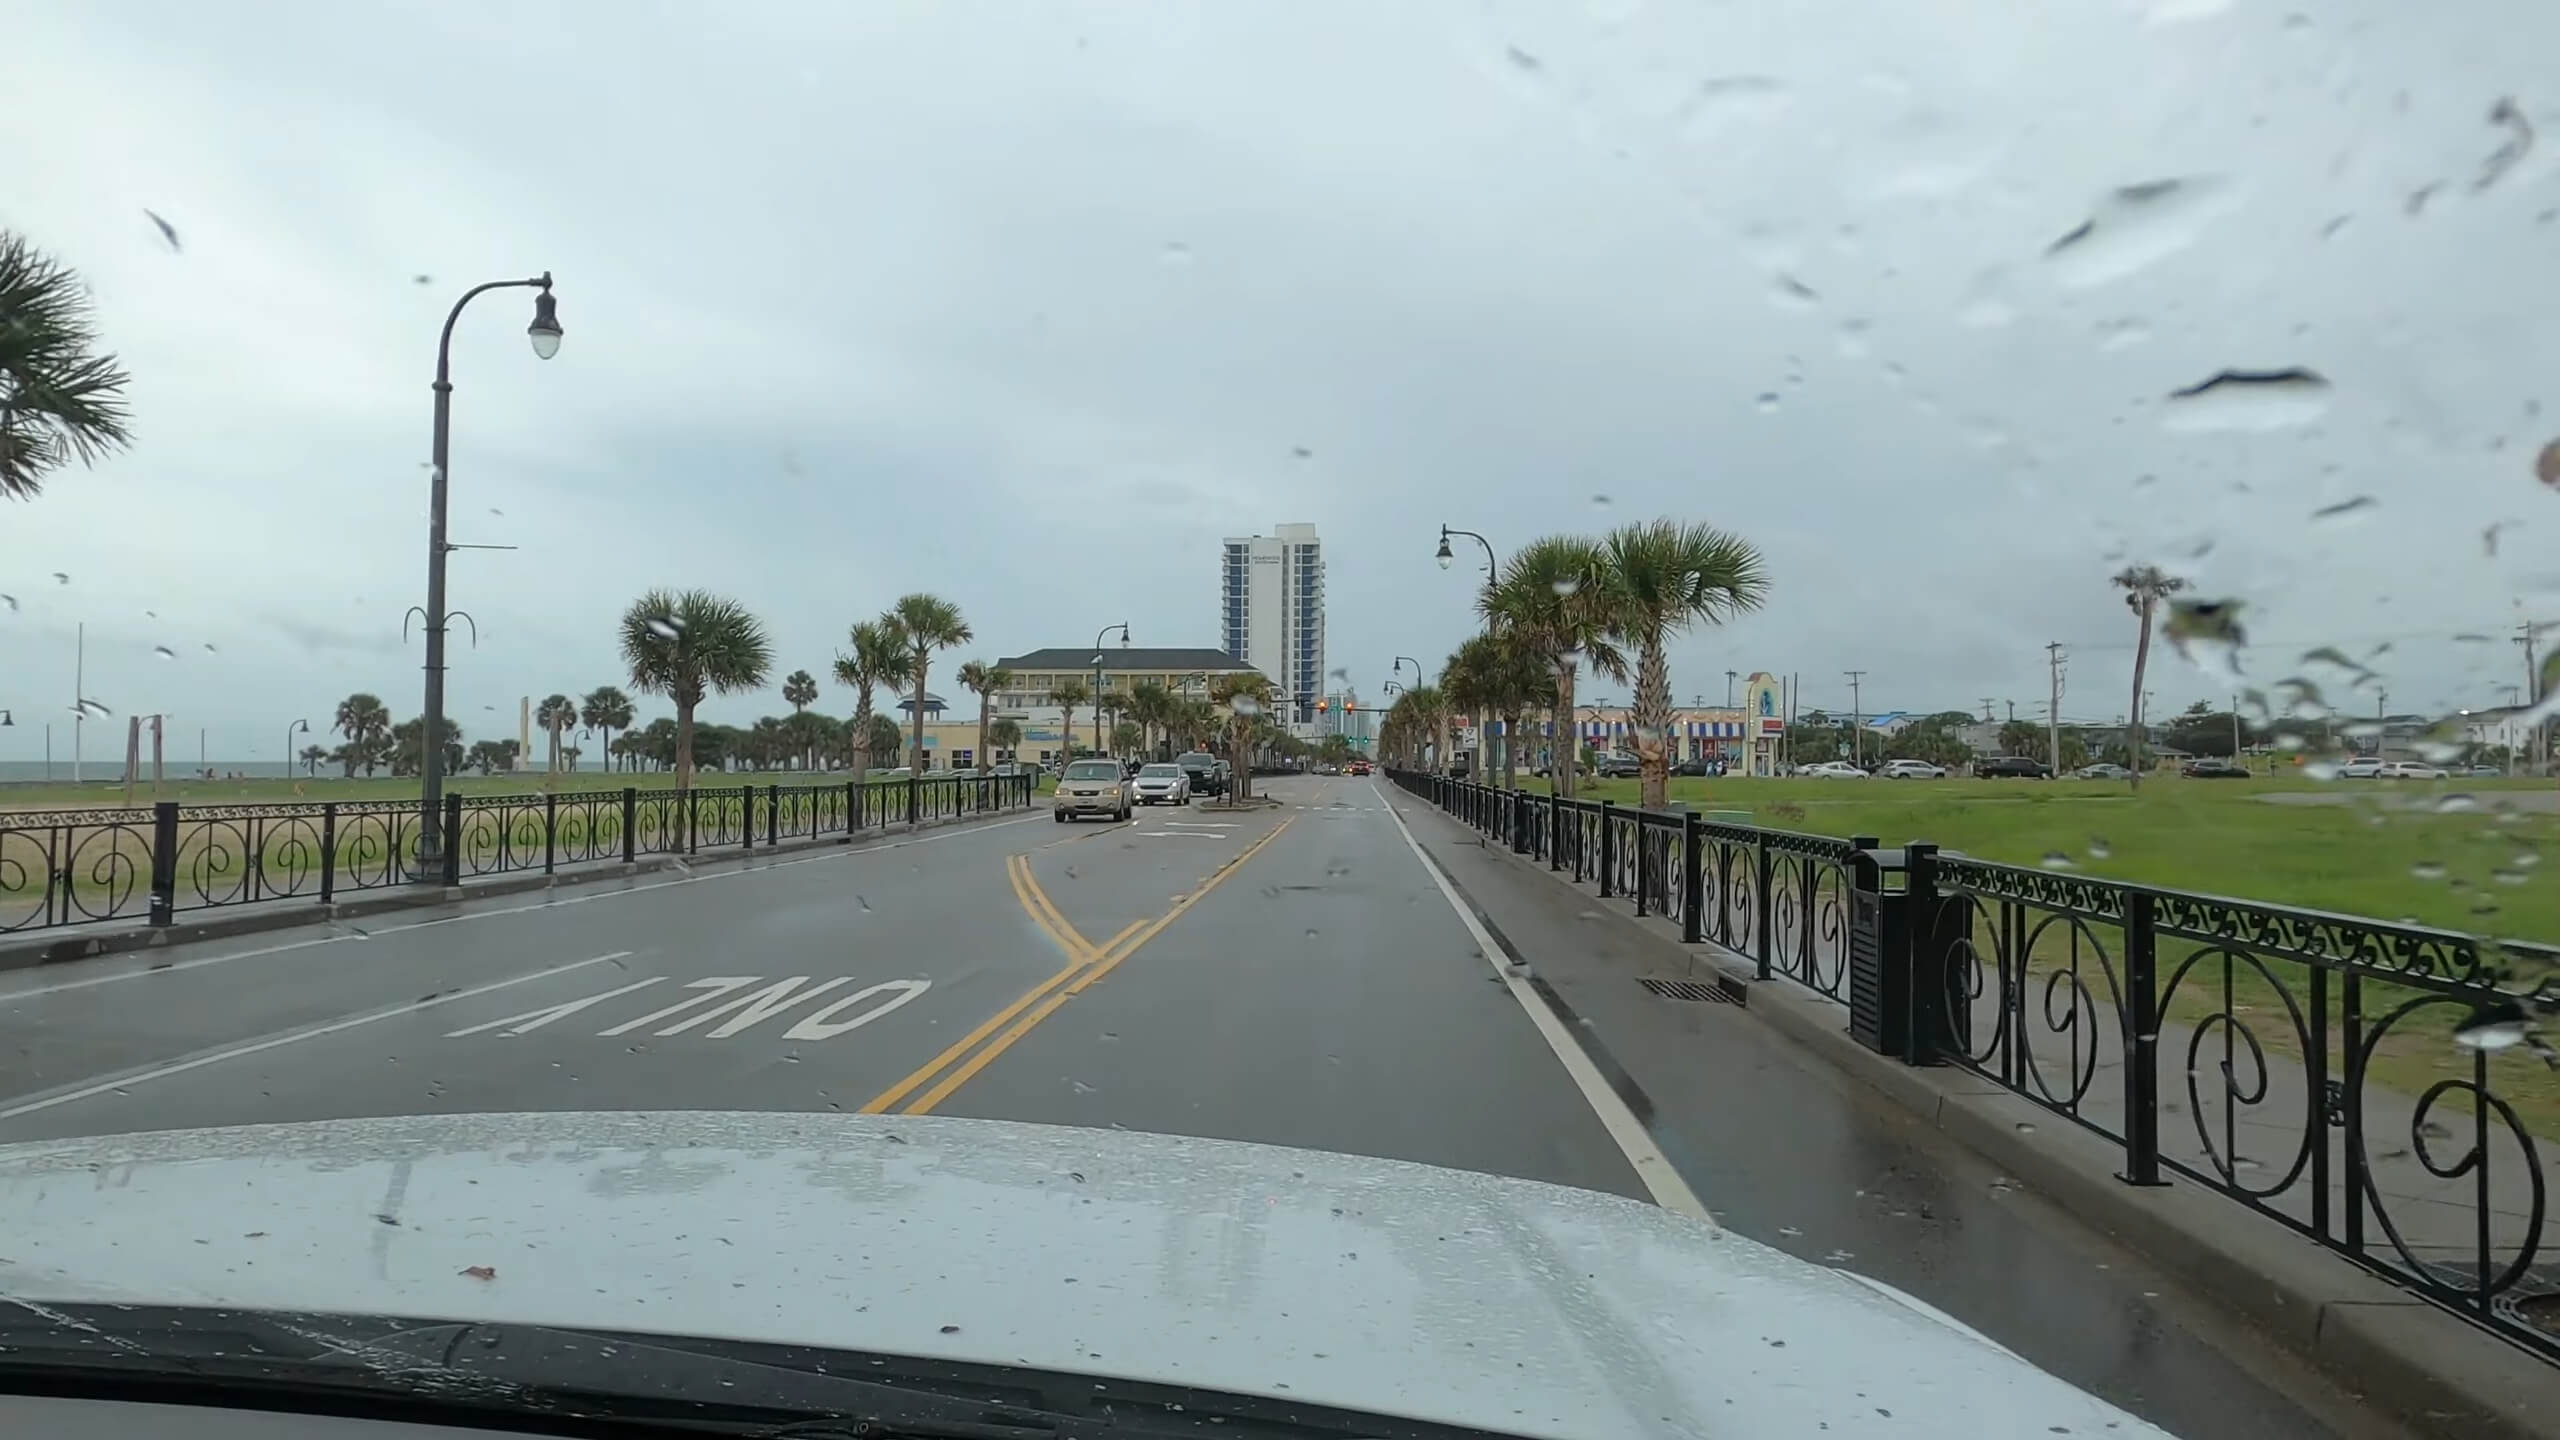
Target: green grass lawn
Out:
[2386,854]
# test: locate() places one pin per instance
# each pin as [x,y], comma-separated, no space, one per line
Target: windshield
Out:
[1216,649]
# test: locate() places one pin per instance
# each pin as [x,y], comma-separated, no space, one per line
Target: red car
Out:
[1359,767]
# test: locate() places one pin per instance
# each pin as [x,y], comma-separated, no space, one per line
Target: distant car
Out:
[1092,787]
[1619,767]
[1208,773]
[2362,768]
[2011,767]
[1832,770]
[1691,768]
[1911,770]
[2484,771]
[2214,767]
[2103,770]
[2410,770]
[1163,785]
[1359,767]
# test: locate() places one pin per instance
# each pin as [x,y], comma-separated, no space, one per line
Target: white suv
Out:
[1911,770]
[2409,770]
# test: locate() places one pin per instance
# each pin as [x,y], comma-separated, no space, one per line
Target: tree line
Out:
[1610,604]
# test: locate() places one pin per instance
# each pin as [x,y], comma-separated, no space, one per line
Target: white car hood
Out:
[1368,1284]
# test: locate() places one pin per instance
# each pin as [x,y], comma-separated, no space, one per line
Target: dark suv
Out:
[1202,767]
[1619,767]
[2011,767]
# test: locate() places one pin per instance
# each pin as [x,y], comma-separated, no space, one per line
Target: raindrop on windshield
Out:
[2137,226]
[2458,805]
[2346,509]
[168,232]
[2493,1026]
[1768,401]
[1245,705]
[1599,502]
[2207,634]
[2099,849]
[2056,860]
[61,579]
[2546,466]
[1567,585]
[164,652]
[2511,150]
[2428,870]
[1792,293]
[91,707]
[12,603]
[666,627]
[2244,400]
[1176,253]
[2508,877]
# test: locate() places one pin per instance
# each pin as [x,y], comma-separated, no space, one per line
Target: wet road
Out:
[1294,976]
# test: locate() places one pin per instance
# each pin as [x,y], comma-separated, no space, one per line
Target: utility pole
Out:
[2235,729]
[1728,687]
[1986,709]
[2053,716]
[2535,744]
[2013,712]
[1857,719]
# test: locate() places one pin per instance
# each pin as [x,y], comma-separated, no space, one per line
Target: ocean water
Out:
[110,767]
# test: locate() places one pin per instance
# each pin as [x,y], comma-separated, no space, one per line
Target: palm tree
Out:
[1151,705]
[1245,695]
[1005,734]
[1067,694]
[688,645]
[606,710]
[366,722]
[799,688]
[879,658]
[1501,678]
[2144,586]
[1128,737]
[554,714]
[312,755]
[985,679]
[927,623]
[58,401]
[1658,578]
[1548,602]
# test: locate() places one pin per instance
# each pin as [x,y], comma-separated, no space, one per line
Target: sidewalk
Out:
[1773,1115]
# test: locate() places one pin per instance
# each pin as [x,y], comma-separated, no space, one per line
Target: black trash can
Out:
[1898,957]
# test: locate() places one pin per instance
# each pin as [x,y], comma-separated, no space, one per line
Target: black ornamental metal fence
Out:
[2379,1088]
[151,863]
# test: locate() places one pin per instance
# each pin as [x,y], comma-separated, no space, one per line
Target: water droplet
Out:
[666,627]
[1568,585]
[164,652]
[2438,752]
[1245,705]
[2428,870]
[2494,1026]
[1176,253]
[92,707]
[2519,139]
[2024,1127]
[1793,294]
[2122,334]
[1599,502]
[2056,860]
[2288,742]
[2099,849]
[2525,860]
[1986,312]
[61,579]
[2345,509]
[1768,401]
[2248,400]
[1789,1231]
[2208,635]
[208,648]
[2138,226]
[2457,805]
[1080,1087]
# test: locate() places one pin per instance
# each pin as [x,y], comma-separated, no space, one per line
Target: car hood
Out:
[1372,1285]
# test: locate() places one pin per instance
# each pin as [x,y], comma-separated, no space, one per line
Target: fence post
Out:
[453,839]
[1693,876]
[328,850]
[852,810]
[1555,831]
[630,822]
[912,796]
[2142,1045]
[1765,877]
[692,821]
[550,831]
[773,815]
[164,862]
[1608,851]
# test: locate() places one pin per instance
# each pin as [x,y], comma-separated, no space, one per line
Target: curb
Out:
[290,912]
[2380,1343]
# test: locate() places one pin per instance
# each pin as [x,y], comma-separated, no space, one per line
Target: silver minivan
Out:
[1092,787]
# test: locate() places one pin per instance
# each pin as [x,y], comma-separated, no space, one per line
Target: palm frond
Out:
[58,401]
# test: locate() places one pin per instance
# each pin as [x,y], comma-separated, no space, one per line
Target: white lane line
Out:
[59,986]
[163,1072]
[1653,1168]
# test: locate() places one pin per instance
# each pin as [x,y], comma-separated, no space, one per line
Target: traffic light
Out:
[1320,707]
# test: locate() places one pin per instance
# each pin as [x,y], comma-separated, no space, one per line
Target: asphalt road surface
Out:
[1294,976]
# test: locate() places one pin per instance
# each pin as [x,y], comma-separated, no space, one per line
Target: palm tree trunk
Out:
[2133,723]
[1653,722]
[1067,724]
[915,753]
[1511,750]
[1564,757]
[980,754]
[862,732]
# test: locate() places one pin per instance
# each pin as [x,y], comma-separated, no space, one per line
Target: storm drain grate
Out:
[1689,990]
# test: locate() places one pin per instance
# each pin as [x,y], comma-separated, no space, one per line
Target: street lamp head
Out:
[545,329]
[1444,557]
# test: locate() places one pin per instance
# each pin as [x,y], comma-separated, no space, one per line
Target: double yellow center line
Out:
[1086,965]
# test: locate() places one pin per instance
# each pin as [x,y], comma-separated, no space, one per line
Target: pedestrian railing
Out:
[78,867]
[2304,1065]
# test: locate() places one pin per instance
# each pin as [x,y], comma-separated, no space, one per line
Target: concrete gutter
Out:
[2427,1366]
[69,944]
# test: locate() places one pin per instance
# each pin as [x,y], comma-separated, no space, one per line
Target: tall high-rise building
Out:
[1271,613]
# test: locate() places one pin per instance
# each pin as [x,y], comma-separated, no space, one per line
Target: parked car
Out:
[1911,770]
[2011,767]
[2214,767]
[2410,770]
[1359,767]
[1207,772]
[1832,770]
[1619,767]
[2103,770]
[2484,771]
[1163,784]
[2361,768]
[1092,787]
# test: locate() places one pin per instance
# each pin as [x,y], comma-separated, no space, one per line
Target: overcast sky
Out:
[1029,304]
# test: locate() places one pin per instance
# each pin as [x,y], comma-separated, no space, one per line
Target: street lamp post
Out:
[290,731]
[1123,628]
[544,333]
[1446,557]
